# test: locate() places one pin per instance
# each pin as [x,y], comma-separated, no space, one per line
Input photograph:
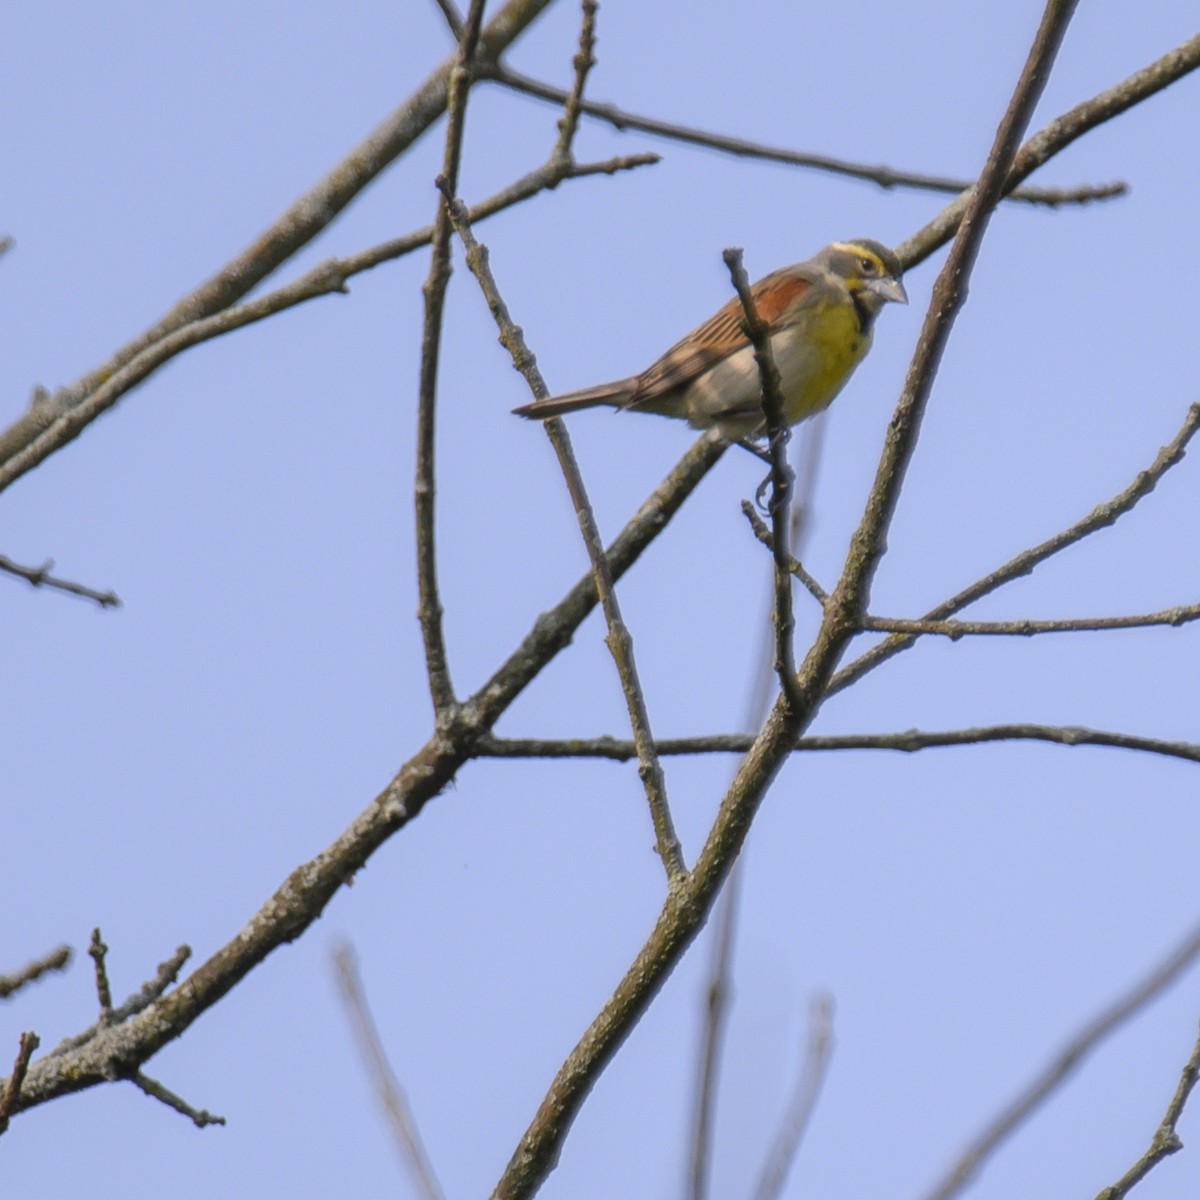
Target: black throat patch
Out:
[866,314]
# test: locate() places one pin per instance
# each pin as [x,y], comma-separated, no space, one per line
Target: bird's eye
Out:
[868,265]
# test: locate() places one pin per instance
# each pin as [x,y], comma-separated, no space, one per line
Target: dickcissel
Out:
[820,316]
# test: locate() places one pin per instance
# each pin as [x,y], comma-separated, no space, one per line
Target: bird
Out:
[820,317]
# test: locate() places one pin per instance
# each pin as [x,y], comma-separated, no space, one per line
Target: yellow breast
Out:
[818,355]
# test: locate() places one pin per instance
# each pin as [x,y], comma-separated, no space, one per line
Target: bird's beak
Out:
[887,288]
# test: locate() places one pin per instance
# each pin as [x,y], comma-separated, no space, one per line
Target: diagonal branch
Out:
[136,1032]
[1165,1141]
[326,278]
[618,639]
[1062,1066]
[399,1112]
[13,981]
[294,229]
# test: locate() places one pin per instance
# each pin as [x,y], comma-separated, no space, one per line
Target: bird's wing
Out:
[721,335]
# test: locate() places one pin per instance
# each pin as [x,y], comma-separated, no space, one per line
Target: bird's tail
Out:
[613,394]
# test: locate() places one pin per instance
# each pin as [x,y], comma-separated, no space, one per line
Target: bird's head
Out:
[870,271]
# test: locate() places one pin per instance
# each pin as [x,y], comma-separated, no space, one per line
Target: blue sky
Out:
[166,765]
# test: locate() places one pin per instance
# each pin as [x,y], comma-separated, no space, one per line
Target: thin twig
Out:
[199,1117]
[429,608]
[782,477]
[28,1043]
[1023,564]
[1062,1066]
[1165,1141]
[14,981]
[1181,614]
[618,639]
[304,219]
[400,1118]
[813,1069]
[884,176]
[41,577]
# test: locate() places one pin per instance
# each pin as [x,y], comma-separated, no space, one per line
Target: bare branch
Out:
[12,1085]
[782,478]
[803,1104]
[41,577]
[151,1087]
[14,981]
[119,1050]
[1165,1141]
[618,639]
[400,1117]
[1064,1064]
[429,609]
[885,177]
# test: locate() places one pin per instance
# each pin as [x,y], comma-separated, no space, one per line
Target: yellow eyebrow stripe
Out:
[855,248]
